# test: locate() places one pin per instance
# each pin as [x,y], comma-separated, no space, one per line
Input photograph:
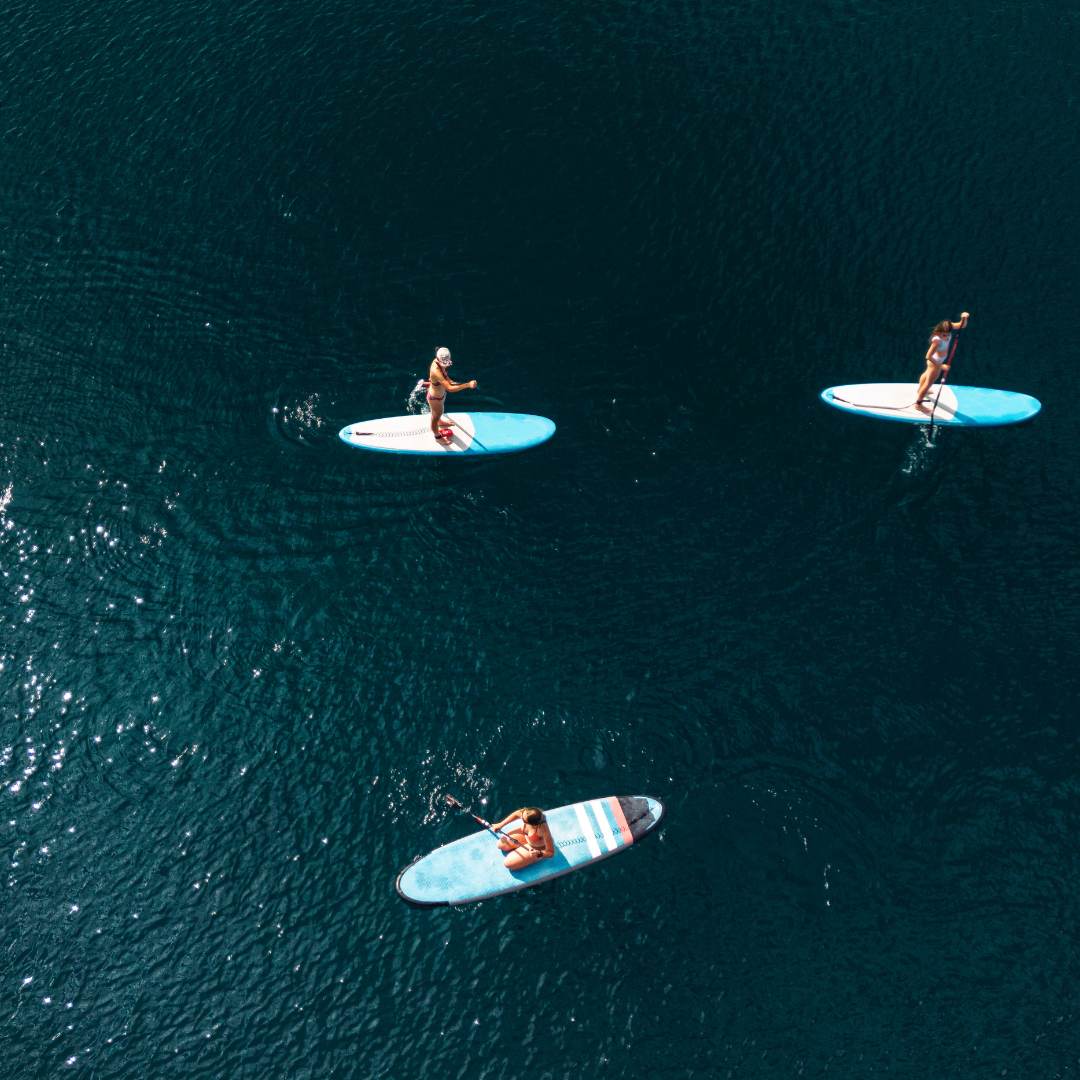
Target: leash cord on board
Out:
[872,405]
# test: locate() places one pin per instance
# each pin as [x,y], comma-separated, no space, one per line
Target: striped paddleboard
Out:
[472,868]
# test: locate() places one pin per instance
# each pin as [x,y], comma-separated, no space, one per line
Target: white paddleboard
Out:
[957,406]
[473,433]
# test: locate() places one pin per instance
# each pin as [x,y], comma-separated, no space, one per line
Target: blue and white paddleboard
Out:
[473,433]
[472,869]
[958,406]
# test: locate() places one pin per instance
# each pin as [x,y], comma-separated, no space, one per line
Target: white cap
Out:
[443,356]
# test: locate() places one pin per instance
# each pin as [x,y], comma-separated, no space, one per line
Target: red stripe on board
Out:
[620,819]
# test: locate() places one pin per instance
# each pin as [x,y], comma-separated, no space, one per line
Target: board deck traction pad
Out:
[957,406]
[472,869]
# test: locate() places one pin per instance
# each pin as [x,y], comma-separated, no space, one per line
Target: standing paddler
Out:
[439,385]
[937,355]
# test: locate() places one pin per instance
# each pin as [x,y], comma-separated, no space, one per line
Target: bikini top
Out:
[534,834]
[941,343]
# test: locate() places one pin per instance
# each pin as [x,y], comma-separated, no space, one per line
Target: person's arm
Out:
[549,841]
[506,820]
[964,316]
[454,387]
[501,828]
[930,353]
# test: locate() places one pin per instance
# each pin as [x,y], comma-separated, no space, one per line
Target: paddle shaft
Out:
[487,824]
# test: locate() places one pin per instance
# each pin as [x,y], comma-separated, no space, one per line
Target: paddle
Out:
[487,824]
[944,376]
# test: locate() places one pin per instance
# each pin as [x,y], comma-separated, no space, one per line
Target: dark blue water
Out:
[241,664]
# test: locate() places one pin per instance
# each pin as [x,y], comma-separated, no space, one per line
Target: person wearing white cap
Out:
[439,385]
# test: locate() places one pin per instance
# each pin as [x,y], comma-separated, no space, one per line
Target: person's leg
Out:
[436,406]
[518,860]
[929,377]
[932,377]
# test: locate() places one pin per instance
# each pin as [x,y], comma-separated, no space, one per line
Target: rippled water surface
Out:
[241,664]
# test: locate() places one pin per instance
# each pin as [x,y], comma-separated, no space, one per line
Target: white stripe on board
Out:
[587,829]
[597,807]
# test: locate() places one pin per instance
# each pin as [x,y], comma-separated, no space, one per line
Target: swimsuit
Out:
[434,397]
[535,842]
[530,847]
[941,352]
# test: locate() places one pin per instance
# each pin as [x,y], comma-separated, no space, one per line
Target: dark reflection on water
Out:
[241,665]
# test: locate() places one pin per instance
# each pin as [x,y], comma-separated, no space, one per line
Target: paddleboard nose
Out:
[642,813]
